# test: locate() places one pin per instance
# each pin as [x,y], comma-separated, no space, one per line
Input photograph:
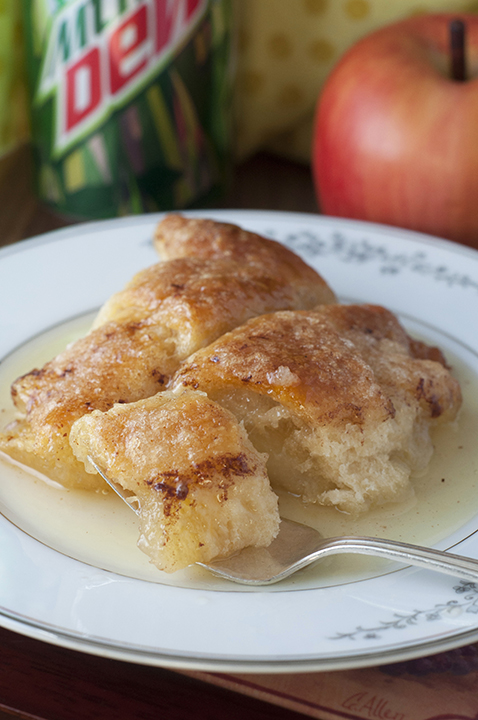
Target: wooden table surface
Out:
[38,680]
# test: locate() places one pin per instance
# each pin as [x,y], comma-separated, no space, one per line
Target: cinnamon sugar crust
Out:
[178,236]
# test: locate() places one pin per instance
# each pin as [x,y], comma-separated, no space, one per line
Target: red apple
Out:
[396,138]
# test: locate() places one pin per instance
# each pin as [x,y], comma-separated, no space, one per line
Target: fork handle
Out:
[427,558]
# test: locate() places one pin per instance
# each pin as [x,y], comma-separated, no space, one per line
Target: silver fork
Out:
[297,546]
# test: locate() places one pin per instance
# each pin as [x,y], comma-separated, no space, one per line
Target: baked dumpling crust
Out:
[198,300]
[177,236]
[114,363]
[202,487]
[340,396]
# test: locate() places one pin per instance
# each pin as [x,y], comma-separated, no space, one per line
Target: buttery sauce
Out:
[100,530]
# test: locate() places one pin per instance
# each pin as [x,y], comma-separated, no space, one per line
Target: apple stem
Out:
[457,49]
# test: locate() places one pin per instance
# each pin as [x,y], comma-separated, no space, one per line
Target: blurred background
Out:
[268,60]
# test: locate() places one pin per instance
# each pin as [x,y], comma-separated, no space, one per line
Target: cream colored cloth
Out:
[286,49]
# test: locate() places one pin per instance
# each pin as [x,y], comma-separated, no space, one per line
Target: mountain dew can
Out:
[130,102]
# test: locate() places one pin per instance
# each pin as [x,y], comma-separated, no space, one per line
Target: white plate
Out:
[395,615]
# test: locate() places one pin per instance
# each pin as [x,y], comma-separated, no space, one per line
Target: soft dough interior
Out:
[330,465]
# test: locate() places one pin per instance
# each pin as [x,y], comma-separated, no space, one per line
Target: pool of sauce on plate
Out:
[98,528]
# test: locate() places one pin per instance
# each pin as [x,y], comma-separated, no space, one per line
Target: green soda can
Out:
[130,103]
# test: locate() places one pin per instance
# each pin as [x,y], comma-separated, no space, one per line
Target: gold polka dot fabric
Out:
[13,101]
[286,49]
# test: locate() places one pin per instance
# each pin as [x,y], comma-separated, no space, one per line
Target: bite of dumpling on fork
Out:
[226,372]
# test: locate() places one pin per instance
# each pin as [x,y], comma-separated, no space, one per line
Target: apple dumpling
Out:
[142,334]
[340,397]
[202,488]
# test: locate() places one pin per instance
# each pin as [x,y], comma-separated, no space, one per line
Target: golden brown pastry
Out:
[114,363]
[139,339]
[340,397]
[197,300]
[202,487]
[177,236]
